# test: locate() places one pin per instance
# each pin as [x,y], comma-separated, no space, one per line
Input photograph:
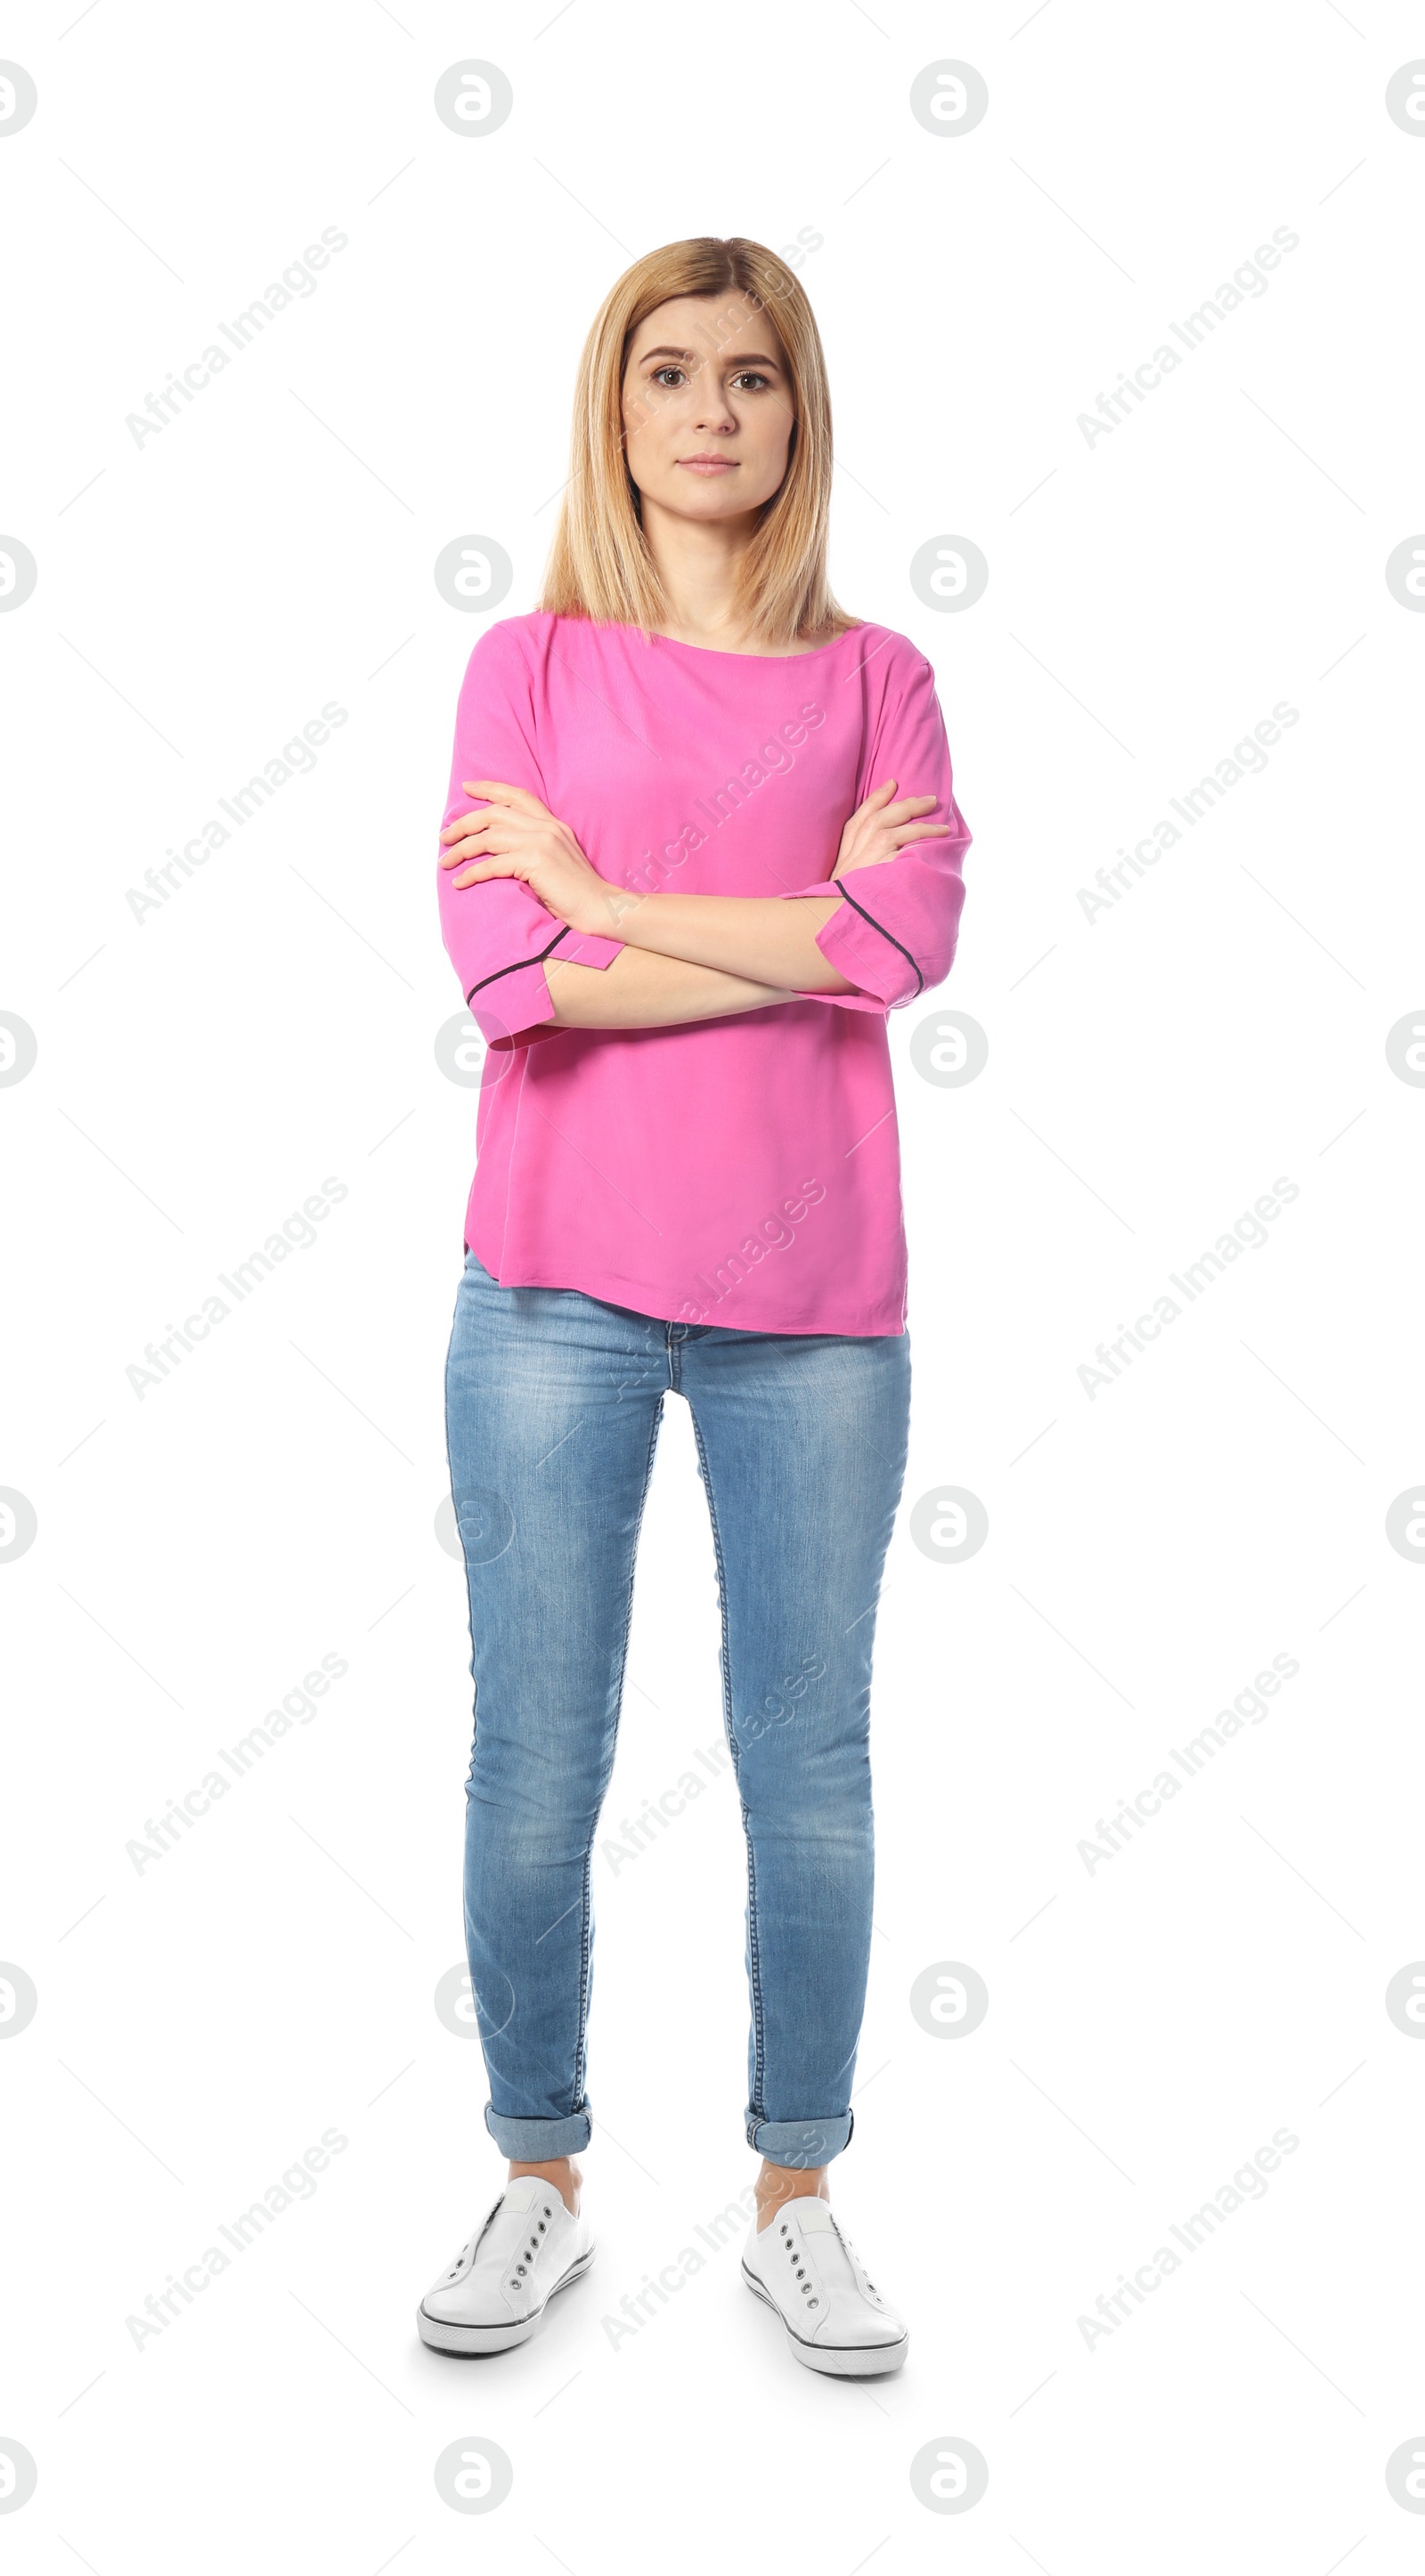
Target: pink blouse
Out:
[742,1171]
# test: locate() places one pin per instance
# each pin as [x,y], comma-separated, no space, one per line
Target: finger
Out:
[501,845]
[497,792]
[878,796]
[902,833]
[477,814]
[488,818]
[482,868]
[874,801]
[479,835]
[471,847]
[908,805]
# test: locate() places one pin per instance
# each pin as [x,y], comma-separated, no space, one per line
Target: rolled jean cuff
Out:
[538,2142]
[802,2144]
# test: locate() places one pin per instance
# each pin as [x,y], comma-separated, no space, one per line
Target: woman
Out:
[681,886]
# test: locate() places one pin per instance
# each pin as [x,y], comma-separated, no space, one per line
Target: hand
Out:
[515,836]
[879,830]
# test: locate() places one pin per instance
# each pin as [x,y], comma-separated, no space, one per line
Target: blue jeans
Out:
[553,1406]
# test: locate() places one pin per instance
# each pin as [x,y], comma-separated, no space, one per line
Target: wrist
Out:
[598,911]
[609,911]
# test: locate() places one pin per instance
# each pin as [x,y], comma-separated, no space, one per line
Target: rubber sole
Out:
[840,2360]
[442,2335]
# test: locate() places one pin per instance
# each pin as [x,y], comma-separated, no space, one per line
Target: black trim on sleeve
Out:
[523,961]
[885,934]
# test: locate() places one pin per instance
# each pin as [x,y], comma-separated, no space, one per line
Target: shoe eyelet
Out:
[816,2303]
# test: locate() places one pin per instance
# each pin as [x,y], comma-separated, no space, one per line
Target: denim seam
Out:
[586,1944]
[757,2106]
[729,1729]
[464,1560]
[585,1954]
[470,1617]
[576,2106]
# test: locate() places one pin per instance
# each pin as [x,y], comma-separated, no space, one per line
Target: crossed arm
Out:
[698,957]
[685,956]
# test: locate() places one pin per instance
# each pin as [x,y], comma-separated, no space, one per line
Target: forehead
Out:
[705,324]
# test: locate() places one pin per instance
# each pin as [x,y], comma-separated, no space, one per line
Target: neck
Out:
[699,562]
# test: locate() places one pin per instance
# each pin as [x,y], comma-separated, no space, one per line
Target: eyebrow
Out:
[745,358]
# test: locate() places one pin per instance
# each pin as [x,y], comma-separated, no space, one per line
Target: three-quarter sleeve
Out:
[497,933]
[894,934]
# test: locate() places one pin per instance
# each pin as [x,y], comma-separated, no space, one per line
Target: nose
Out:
[716,413]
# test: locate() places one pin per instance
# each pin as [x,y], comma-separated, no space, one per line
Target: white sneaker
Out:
[836,2319]
[500,2283]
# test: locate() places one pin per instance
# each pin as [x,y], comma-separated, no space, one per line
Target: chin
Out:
[696,500]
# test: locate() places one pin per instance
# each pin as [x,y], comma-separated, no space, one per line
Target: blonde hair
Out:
[600,565]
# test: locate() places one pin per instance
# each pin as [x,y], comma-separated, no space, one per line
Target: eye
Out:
[750,376]
[661,374]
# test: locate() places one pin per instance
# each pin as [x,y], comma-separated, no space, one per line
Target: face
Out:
[707,407]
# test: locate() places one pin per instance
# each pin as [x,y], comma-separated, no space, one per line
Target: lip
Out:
[709,464]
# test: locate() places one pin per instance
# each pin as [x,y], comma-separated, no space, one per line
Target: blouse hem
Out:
[632,1295]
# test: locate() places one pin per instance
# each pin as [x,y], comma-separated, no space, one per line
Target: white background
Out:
[1150,1074]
